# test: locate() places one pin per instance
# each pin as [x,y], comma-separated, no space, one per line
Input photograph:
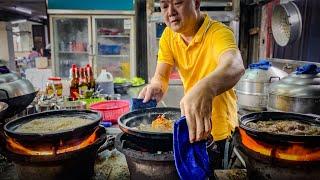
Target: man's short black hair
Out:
[34,49]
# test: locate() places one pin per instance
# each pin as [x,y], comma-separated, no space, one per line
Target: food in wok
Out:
[52,124]
[160,124]
[288,127]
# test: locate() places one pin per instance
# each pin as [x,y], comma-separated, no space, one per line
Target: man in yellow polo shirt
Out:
[209,64]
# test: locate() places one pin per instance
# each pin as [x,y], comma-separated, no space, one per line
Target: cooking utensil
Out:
[129,122]
[95,117]
[252,89]
[298,93]
[18,104]
[16,92]
[275,137]
[286,23]
[3,110]
[11,86]
[122,88]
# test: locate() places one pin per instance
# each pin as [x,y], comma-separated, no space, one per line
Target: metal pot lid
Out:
[8,77]
[297,85]
[286,23]
[16,88]
[263,76]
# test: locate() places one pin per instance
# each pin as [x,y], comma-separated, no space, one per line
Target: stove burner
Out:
[264,166]
[77,164]
[147,159]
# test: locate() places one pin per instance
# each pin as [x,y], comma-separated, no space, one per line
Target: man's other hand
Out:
[151,91]
[196,105]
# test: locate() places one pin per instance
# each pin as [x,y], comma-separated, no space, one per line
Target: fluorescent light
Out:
[19,21]
[23,10]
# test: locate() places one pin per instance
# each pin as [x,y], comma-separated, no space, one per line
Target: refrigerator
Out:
[103,41]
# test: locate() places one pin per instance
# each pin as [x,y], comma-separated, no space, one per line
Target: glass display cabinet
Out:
[113,45]
[103,41]
[71,43]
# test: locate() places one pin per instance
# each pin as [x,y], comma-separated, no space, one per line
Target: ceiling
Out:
[32,10]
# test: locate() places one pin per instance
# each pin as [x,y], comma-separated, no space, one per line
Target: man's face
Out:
[179,15]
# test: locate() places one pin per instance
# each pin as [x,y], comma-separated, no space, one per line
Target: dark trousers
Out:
[216,154]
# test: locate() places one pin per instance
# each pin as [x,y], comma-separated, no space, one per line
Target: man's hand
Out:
[159,83]
[152,91]
[196,105]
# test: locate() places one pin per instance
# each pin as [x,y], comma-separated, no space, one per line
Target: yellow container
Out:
[125,68]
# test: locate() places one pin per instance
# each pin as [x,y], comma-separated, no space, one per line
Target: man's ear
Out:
[197,4]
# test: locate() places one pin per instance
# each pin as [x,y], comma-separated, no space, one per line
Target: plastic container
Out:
[41,62]
[54,86]
[105,49]
[111,110]
[104,82]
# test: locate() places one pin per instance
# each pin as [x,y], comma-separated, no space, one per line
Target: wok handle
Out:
[108,144]
[6,92]
[316,116]
[274,77]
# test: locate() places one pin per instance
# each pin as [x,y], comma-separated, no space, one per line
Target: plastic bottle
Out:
[104,82]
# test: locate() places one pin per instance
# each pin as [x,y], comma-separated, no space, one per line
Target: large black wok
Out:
[3,110]
[275,137]
[18,104]
[55,136]
[129,122]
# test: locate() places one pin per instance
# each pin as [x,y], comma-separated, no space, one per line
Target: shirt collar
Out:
[201,32]
[203,29]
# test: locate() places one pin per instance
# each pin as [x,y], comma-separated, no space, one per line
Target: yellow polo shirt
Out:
[199,59]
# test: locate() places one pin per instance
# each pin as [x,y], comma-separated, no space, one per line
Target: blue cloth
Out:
[308,69]
[191,160]
[137,103]
[4,70]
[106,123]
[262,64]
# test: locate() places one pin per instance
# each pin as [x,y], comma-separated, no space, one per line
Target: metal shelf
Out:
[113,56]
[73,52]
[114,36]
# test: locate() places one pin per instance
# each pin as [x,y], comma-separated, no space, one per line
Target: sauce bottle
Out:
[74,90]
[83,84]
[90,79]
